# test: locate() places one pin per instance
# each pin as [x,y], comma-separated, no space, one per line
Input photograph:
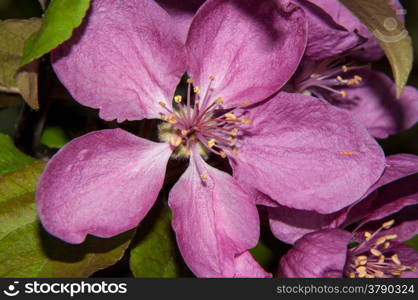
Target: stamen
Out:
[211,143]
[344,68]
[396,259]
[230,116]
[388,224]
[178,99]
[375,252]
[196,90]
[203,176]
[245,102]
[346,153]
[343,93]
[223,154]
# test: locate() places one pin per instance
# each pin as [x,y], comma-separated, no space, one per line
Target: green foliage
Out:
[26,250]
[54,137]
[381,18]
[61,18]
[413,242]
[155,253]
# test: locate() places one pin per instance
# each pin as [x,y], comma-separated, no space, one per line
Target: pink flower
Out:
[127,59]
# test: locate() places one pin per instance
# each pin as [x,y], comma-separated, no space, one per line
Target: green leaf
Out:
[61,18]
[54,137]
[381,18]
[14,79]
[26,250]
[413,242]
[155,252]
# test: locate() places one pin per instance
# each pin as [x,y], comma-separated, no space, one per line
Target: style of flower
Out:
[127,59]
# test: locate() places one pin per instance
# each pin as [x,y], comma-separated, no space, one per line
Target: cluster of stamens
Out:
[202,122]
[327,75]
[374,258]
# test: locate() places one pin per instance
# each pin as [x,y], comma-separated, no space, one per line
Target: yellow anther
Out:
[388,224]
[344,68]
[346,153]
[172,119]
[358,78]
[230,116]
[222,154]
[381,259]
[361,269]
[395,259]
[361,260]
[380,241]
[367,235]
[395,273]
[211,143]
[234,132]
[190,80]
[178,99]
[203,176]
[196,89]
[219,100]
[234,151]
[386,245]
[211,77]
[162,104]
[343,93]
[245,102]
[375,252]
[339,78]
[246,122]
[184,132]
[352,275]
[391,236]
[164,117]
[175,140]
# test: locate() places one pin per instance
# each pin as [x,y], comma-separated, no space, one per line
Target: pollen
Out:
[196,90]
[162,103]
[234,132]
[245,102]
[175,140]
[388,224]
[222,154]
[178,99]
[367,235]
[344,68]
[230,116]
[246,122]
[346,153]
[184,132]
[219,100]
[164,117]
[172,119]
[395,259]
[343,93]
[211,143]
[234,151]
[203,176]
[375,252]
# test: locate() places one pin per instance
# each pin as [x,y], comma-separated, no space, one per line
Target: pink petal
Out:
[375,104]
[247,267]
[289,224]
[102,183]
[317,254]
[251,47]
[306,154]
[215,221]
[124,59]
[182,12]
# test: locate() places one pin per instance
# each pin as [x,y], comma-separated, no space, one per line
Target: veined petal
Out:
[327,37]
[398,168]
[289,224]
[252,47]
[306,154]
[375,104]
[102,183]
[317,254]
[123,59]
[214,220]
[182,12]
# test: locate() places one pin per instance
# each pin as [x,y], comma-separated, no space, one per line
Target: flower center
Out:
[201,121]
[375,257]
[327,77]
